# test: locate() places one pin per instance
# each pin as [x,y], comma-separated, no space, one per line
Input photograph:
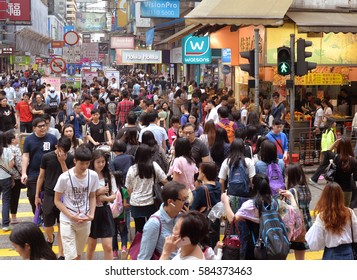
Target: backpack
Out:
[53,104]
[117,205]
[112,108]
[229,129]
[238,180]
[272,243]
[276,179]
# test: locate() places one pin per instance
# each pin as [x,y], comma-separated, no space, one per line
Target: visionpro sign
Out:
[160,9]
[196,50]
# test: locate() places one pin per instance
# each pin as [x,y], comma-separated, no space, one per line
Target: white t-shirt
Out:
[224,171]
[76,197]
[244,116]
[319,114]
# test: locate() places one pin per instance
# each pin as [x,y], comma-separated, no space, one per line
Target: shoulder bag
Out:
[156,192]
[231,244]
[8,172]
[206,209]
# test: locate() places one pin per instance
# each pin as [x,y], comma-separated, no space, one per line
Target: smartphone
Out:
[183,241]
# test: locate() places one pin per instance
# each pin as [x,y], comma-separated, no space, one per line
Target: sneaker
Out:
[7,228]
[123,253]
[14,222]
[115,255]
[321,177]
[61,258]
[312,182]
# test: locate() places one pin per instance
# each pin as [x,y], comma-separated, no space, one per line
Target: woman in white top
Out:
[327,110]
[189,230]
[332,229]
[139,182]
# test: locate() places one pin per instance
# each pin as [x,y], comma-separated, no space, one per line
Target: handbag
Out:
[156,193]
[8,172]
[354,244]
[331,170]
[206,209]
[134,249]
[231,245]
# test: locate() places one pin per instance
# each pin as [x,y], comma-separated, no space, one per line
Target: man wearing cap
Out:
[53,101]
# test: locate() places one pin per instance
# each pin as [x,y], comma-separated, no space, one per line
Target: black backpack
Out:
[273,242]
[53,104]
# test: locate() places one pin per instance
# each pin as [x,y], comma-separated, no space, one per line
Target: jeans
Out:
[31,192]
[323,165]
[5,190]
[341,252]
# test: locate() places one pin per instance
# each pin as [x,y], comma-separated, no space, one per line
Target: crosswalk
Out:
[7,251]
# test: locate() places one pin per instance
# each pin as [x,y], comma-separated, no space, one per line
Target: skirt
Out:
[102,225]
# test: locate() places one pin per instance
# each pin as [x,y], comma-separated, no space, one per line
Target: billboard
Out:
[91,22]
[196,50]
[16,11]
[160,9]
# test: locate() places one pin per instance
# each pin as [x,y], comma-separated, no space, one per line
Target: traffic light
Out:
[284,61]
[250,66]
[302,66]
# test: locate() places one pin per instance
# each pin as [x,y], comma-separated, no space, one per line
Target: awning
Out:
[324,22]
[180,34]
[239,12]
[33,35]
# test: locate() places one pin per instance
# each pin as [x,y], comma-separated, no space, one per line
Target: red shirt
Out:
[87,109]
[23,109]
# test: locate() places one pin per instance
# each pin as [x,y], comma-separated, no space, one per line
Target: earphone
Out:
[173,205]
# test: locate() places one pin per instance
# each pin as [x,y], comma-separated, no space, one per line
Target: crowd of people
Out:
[204,147]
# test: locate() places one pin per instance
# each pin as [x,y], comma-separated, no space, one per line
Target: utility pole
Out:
[256,69]
[292,97]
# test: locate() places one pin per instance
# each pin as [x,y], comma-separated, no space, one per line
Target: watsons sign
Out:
[141,57]
[196,50]
[160,9]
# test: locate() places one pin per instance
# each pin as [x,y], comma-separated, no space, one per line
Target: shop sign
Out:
[57,44]
[226,69]
[38,60]
[14,11]
[122,43]
[22,60]
[141,57]
[226,55]
[103,48]
[86,37]
[196,50]
[318,79]
[7,50]
[160,9]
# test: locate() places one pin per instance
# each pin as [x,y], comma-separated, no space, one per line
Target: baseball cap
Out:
[52,89]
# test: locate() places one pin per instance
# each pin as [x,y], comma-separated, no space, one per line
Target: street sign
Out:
[103,48]
[71,38]
[73,69]
[58,65]
[72,54]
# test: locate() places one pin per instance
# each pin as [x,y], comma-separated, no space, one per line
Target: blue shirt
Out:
[281,142]
[152,239]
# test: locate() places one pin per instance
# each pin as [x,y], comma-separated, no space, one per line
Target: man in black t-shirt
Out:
[97,131]
[53,164]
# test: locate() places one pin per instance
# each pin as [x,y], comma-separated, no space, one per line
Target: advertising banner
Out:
[121,19]
[54,82]
[91,22]
[160,9]
[90,51]
[15,11]
[122,43]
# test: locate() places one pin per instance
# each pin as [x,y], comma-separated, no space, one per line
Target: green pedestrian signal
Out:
[284,61]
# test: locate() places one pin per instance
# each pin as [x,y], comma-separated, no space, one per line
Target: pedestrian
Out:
[30,243]
[75,197]
[68,131]
[331,230]
[8,119]
[102,225]
[277,136]
[35,146]
[53,164]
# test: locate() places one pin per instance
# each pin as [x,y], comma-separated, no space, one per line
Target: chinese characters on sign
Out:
[16,11]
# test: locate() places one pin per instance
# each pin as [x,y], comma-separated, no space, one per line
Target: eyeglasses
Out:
[41,126]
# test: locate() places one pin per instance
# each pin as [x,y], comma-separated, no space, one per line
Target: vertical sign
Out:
[15,11]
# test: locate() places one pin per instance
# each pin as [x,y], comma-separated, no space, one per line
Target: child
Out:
[121,221]
[277,136]
[75,197]
[103,224]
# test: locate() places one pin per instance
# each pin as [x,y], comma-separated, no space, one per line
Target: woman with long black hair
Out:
[139,182]
[220,147]
[158,153]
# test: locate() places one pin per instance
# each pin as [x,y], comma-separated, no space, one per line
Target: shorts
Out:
[74,238]
[51,213]
[300,246]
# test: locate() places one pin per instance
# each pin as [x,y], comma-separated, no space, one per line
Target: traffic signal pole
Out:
[256,69]
[292,98]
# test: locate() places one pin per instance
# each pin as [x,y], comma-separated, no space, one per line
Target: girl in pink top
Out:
[184,167]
